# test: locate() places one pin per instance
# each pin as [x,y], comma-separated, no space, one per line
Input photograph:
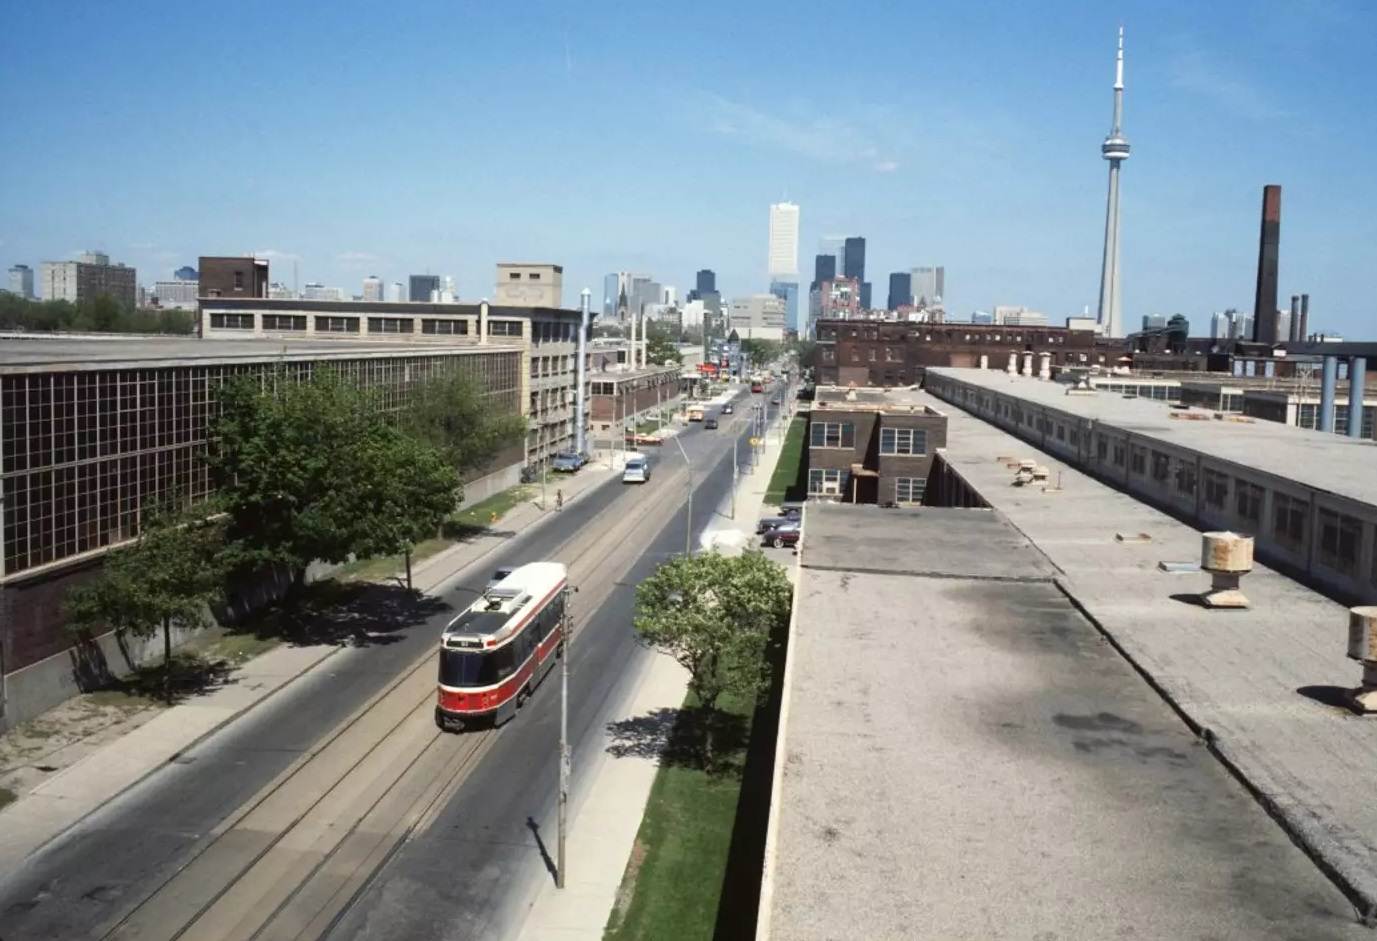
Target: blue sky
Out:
[358,138]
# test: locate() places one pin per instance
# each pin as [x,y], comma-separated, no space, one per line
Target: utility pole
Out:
[563,737]
[688,519]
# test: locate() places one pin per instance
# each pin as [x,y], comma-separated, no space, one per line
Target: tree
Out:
[660,346]
[760,352]
[452,415]
[169,575]
[714,614]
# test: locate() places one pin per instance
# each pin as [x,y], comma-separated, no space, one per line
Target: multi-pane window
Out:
[390,325]
[504,328]
[1340,537]
[903,441]
[231,321]
[909,489]
[824,482]
[832,434]
[284,321]
[444,327]
[1119,449]
[336,324]
[1185,477]
[1288,519]
[1216,488]
[1247,500]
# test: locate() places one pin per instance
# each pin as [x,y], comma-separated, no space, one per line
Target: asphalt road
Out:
[468,871]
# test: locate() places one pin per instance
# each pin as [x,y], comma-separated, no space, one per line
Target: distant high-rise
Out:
[787,291]
[900,290]
[706,281]
[90,277]
[929,286]
[610,284]
[1269,244]
[1219,325]
[186,273]
[373,288]
[423,287]
[21,280]
[783,240]
[1115,150]
[397,293]
[853,258]
[824,269]
[1154,321]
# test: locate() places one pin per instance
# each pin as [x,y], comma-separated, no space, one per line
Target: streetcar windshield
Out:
[467,668]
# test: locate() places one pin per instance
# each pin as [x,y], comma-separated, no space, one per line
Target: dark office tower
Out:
[1269,245]
[706,283]
[824,269]
[853,258]
[422,285]
[900,289]
[865,295]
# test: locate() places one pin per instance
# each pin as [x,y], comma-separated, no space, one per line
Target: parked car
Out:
[497,575]
[772,522]
[567,462]
[710,424]
[785,534]
[728,409]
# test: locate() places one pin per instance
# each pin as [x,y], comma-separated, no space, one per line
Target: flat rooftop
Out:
[1317,459]
[36,353]
[899,399]
[961,756]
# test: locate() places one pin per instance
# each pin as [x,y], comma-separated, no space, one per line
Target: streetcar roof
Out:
[503,606]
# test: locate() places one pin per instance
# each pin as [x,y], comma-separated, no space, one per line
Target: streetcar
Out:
[495,653]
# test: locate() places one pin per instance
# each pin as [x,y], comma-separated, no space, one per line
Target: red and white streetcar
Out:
[498,650]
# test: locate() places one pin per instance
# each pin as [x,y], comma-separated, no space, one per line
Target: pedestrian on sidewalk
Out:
[559,499]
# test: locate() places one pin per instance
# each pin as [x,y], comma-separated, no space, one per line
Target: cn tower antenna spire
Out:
[1114,149]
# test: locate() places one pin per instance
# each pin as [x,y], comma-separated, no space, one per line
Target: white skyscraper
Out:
[783,240]
[1115,150]
[397,294]
[372,288]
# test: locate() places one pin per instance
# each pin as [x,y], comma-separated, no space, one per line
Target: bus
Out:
[496,652]
[695,413]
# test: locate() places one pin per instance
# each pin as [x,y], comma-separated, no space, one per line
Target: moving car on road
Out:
[710,424]
[637,470]
[494,654]
[728,409]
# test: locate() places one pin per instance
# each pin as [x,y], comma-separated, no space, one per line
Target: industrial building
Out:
[1308,498]
[97,431]
[547,337]
[619,398]
[87,278]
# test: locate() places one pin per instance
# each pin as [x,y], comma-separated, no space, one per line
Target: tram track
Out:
[292,859]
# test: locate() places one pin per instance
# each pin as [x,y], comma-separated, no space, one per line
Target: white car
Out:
[637,470]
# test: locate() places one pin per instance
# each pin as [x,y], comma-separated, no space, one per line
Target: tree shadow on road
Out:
[358,614]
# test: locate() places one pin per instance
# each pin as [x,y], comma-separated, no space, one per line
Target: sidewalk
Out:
[98,775]
[610,796]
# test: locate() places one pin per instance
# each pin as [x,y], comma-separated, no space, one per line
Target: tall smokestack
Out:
[1269,242]
[1305,317]
[1295,318]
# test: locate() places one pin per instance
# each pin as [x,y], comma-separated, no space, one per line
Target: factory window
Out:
[1161,466]
[284,321]
[832,435]
[390,325]
[1340,537]
[231,321]
[504,328]
[514,276]
[1101,447]
[909,490]
[1216,488]
[824,482]
[1248,500]
[1119,447]
[1061,432]
[533,276]
[1075,437]
[239,280]
[903,441]
[439,327]
[1288,519]
[337,324]
[1185,477]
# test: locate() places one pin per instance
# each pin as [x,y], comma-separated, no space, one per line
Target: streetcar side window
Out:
[503,661]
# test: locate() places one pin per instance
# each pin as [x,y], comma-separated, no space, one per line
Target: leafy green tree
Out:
[760,352]
[714,614]
[167,576]
[452,414]
[661,345]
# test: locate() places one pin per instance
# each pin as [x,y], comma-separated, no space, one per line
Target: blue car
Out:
[567,462]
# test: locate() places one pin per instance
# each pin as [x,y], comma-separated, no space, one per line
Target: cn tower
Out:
[1115,150]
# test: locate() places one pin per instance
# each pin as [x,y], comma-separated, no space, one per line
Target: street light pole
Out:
[688,520]
[563,739]
[736,468]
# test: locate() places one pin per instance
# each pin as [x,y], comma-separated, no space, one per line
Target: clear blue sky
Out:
[360,138]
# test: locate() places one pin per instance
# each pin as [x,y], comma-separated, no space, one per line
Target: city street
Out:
[336,808]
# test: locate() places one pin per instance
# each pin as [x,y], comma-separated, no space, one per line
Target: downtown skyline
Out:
[986,171]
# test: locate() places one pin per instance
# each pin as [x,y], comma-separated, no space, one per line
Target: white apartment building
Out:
[179,294]
[373,289]
[757,317]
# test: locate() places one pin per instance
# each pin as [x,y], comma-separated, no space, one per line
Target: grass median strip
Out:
[784,483]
